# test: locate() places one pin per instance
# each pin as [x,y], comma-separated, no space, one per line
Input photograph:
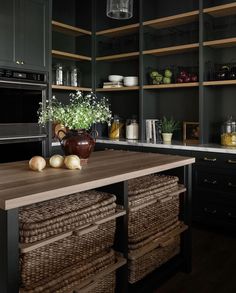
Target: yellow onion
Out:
[72,162]
[56,161]
[37,163]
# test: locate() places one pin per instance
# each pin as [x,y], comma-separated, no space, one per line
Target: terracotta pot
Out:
[77,142]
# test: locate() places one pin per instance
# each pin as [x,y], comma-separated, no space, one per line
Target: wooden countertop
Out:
[20,186]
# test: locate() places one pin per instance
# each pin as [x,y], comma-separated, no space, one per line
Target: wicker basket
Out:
[156,250]
[49,259]
[153,217]
[96,274]
[42,220]
[46,257]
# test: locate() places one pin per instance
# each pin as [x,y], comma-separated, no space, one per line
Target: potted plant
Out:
[77,117]
[167,128]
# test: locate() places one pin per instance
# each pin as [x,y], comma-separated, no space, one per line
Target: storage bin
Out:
[154,252]
[44,258]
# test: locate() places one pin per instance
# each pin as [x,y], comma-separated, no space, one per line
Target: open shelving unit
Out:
[119,31]
[70,56]
[221,10]
[222,43]
[128,88]
[118,57]
[69,29]
[172,50]
[171,85]
[219,82]
[70,88]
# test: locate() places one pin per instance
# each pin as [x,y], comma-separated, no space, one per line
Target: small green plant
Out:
[169,125]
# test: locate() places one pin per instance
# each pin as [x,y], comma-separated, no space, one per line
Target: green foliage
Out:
[81,112]
[169,125]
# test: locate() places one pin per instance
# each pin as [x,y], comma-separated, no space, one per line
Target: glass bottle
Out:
[132,128]
[228,132]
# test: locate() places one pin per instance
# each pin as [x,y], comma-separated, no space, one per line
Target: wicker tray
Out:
[43,220]
[94,275]
[156,252]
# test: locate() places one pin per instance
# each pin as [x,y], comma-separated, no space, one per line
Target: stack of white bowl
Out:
[130,80]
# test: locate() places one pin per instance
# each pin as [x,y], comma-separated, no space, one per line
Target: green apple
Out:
[153,74]
[166,80]
[168,73]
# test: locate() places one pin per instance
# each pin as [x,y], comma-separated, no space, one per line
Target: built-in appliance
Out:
[21,93]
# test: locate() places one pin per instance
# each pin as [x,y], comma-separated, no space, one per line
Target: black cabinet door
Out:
[32,34]
[7,32]
[24,34]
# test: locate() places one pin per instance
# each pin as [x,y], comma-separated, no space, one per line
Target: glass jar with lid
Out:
[75,76]
[116,129]
[58,74]
[132,128]
[228,132]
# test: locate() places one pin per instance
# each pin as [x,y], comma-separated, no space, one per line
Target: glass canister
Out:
[75,76]
[116,129]
[59,74]
[228,133]
[132,128]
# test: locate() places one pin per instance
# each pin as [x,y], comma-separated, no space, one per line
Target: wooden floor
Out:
[214,266]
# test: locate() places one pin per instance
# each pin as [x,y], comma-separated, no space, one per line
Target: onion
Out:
[72,162]
[56,161]
[37,163]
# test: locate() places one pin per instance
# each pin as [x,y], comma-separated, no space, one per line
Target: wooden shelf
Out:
[118,57]
[66,55]
[222,43]
[220,82]
[221,10]
[174,20]
[120,31]
[68,29]
[125,88]
[70,88]
[171,85]
[172,50]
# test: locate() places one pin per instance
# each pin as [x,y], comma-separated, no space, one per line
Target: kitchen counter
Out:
[109,169]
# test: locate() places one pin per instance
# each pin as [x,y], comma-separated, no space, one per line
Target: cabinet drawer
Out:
[215,159]
[209,180]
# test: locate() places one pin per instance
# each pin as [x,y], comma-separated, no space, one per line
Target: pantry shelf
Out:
[221,10]
[171,85]
[68,29]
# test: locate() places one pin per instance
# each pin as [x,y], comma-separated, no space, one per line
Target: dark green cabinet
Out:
[24,34]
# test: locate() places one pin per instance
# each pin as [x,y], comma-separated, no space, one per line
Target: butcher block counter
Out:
[109,170]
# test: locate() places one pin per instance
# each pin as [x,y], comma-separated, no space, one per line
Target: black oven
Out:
[21,93]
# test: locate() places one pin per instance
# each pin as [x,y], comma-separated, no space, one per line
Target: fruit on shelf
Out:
[168,73]
[166,80]
[185,77]
[156,77]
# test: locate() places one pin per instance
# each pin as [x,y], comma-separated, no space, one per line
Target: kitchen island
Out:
[109,170]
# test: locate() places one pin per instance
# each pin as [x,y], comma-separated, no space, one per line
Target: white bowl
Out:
[115,78]
[130,81]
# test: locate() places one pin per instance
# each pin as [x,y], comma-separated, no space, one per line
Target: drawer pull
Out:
[231,161]
[209,159]
[213,182]
[209,212]
[231,184]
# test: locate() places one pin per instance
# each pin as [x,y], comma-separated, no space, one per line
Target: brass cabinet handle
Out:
[22,62]
[17,62]
[231,184]
[231,161]
[209,159]
[213,182]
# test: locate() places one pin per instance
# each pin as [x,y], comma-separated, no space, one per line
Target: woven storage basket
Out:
[153,217]
[43,220]
[155,251]
[48,259]
[67,280]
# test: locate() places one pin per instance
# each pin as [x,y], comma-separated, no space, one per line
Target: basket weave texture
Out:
[67,280]
[150,261]
[153,208]
[153,213]
[47,219]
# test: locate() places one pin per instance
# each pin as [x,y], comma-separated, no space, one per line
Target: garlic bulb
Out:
[72,162]
[56,161]
[37,163]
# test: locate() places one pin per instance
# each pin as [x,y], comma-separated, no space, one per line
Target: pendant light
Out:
[120,9]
